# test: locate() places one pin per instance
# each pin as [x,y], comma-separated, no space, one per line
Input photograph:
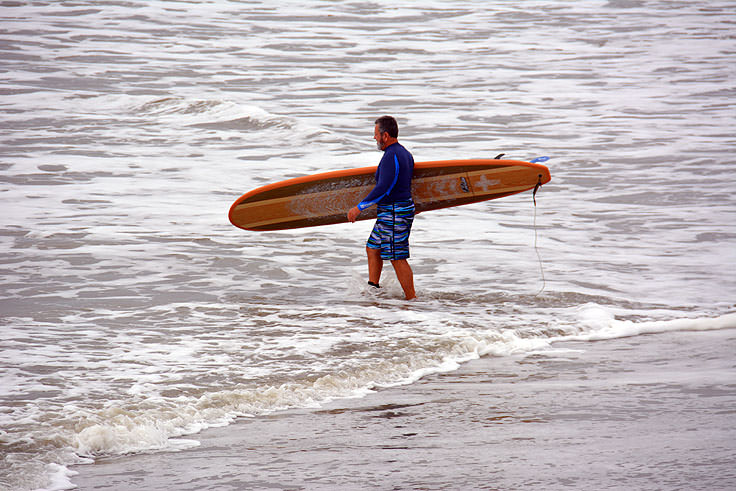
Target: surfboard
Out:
[325,198]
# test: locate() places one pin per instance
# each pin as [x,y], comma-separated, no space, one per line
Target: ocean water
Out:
[133,315]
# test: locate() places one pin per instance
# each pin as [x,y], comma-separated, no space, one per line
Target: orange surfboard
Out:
[323,199]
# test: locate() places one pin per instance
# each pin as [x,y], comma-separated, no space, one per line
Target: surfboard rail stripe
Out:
[322,199]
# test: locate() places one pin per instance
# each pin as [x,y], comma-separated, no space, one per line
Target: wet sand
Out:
[649,412]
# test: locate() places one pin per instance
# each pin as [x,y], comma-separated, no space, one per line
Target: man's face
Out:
[379,137]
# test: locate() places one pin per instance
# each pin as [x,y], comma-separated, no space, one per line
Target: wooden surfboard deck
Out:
[323,199]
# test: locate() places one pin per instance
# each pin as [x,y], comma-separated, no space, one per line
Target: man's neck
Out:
[390,142]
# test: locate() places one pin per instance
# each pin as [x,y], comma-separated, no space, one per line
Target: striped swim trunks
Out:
[391,231]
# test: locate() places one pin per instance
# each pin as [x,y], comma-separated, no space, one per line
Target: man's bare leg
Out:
[375,265]
[405,276]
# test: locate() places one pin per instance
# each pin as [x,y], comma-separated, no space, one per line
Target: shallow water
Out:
[133,313]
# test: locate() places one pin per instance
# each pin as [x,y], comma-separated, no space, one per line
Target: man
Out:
[392,195]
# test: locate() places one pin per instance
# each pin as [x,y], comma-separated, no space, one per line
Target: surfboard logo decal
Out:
[464,185]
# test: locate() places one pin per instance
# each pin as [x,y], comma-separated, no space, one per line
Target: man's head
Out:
[385,132]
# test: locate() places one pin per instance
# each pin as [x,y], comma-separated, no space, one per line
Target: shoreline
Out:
[584,415]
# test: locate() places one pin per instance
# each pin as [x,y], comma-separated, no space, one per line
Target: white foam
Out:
[59,478]
[600,324]
[156,423]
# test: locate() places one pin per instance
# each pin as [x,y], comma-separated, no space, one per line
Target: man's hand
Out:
[353,214]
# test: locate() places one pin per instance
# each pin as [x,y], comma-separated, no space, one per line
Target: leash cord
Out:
[539,257]
[536,249]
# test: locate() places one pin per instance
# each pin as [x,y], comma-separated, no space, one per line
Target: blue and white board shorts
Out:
[391,231]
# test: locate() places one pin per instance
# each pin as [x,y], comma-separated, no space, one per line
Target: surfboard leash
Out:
[536,249]
[536,187]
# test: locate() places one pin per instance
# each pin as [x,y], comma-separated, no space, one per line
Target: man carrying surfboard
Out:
[389,239]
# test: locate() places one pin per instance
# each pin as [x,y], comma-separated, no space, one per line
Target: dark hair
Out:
[387,124]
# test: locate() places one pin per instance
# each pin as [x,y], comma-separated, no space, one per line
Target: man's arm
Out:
[388,175]
[386,182]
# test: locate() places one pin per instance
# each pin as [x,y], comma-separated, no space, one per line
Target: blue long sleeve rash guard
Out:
[393,177]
